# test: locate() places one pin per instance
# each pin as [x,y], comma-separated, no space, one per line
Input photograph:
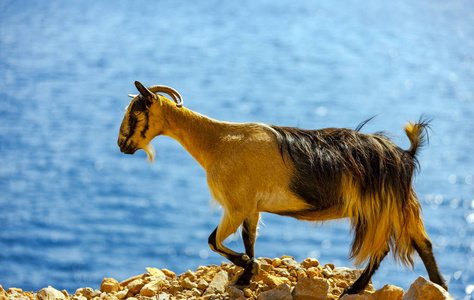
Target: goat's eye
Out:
[137,113]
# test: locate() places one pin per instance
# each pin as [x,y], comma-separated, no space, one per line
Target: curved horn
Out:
[169,91]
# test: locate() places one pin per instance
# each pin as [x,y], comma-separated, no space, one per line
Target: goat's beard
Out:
[150,152]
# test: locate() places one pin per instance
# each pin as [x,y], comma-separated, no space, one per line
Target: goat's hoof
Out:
[243,280]
[350,290]
[252,268]
[445,286]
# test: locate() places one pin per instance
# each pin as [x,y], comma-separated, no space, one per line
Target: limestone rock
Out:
[50,293]
[346,273]
[276,262]
[127,281]
[234,292]
[218,284]
[202,285]
[389,292]
[289,262]
[109,285]
[281,292]
[122,294]
[3,294]
[188,284]
[168,273]
[88,292]
[271,280]
[14,295]
[152,288]
[135,286]
[423,289]
[311,289]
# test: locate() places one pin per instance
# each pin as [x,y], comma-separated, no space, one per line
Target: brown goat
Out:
[312,175]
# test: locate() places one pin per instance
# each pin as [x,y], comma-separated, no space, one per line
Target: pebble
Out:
[50,293]
[278,279]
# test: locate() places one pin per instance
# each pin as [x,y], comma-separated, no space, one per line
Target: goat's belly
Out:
[313,214]
[286,204]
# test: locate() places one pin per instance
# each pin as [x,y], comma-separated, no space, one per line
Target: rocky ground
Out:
[278,279]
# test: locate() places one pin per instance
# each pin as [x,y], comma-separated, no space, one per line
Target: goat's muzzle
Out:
[127,146]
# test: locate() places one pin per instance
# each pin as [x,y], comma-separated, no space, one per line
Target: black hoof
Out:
[351,290]
[244,279]
[251,268]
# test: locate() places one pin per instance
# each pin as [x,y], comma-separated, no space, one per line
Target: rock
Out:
[50,293]
[3,294]
[202,285]
[389,292]
[187,284]
[152,288]
[164,296]
[88,292]
[218,284]
[346,273]
[271,280]
[135,286]
[109,285]
[234,292]
[122,294]
[127,281]
[14,295]
[281,292]
[311,289]
[276,262]
[289,262]
[248,292]
[423,289]
[168,273]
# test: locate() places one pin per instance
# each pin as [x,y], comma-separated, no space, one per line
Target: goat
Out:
[312,175]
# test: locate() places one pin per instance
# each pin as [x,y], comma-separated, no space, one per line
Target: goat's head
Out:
[136,131]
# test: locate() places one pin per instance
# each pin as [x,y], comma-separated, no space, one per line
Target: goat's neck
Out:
[197,133]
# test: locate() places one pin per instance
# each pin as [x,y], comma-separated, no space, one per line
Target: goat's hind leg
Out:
[425,250]
[360,284]
[227,227]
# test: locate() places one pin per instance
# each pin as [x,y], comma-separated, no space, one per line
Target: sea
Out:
[74,209]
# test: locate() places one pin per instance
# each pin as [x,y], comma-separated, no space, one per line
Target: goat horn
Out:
[132,96]
[169,91]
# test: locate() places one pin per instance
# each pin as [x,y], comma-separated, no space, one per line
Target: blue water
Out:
[74,210]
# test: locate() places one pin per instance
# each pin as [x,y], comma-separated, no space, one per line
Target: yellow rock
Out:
[389,292]
[168,273]
[3,294]
[271,280]
[311,289]
[423,289]
[135,286]
[152,288]
[50,293]
[109,285]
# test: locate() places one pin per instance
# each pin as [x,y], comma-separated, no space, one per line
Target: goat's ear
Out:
[149,96]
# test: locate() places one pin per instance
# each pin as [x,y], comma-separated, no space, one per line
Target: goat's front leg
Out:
[249,235]
[227,227]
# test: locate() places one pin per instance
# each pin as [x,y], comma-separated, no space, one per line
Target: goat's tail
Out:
[417,134]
